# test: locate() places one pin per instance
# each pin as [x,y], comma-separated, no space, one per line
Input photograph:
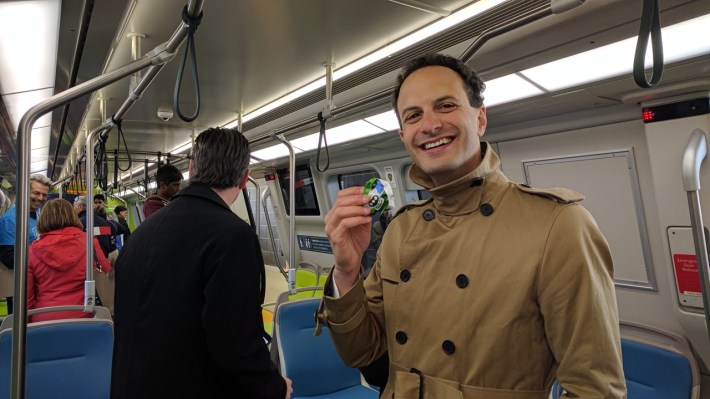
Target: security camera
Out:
[165,115]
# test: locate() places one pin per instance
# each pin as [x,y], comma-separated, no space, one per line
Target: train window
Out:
[353,179]
[412,191]
[306,201]
[423,194]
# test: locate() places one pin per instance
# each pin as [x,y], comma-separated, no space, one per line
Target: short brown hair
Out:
[57,214]
[473,85]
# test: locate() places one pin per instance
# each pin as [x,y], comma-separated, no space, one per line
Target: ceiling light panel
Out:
[386,121]
[508,88]
[464,14]
[28,44]
[273,152]
[19,103]
[617,58]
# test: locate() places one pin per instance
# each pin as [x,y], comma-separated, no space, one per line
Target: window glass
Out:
[423,194]
[306,201]
[353,179]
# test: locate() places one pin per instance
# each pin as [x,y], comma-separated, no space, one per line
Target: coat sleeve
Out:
[357,320]
[31,283]
[100,258]
[232,318]
[578,304]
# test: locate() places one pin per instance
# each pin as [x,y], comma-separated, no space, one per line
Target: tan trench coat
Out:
[490,290]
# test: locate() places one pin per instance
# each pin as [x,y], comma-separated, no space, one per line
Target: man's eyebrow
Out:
[436,101]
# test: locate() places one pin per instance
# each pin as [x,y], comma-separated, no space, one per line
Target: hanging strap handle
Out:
[650,27]
[321,137]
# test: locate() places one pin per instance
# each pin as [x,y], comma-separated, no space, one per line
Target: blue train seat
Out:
[311,362]
[68,358]
[657,365]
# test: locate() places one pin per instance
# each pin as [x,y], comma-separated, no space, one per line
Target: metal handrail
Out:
[291,212]
[265,196]
[257,217]
[693,157]
[155,57]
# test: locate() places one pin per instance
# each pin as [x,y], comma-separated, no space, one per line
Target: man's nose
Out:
[430,122]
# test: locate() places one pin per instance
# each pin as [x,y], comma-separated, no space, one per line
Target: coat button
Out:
[448,347]
[404,275]
[401,337]
[461,281]
[486,209]
[477,182]
[428,215]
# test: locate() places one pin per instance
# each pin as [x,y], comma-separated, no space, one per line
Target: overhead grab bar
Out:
[291,213]
[695,153]
[157,56]
[555,7]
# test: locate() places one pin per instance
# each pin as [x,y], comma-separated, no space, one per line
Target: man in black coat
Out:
[188,318]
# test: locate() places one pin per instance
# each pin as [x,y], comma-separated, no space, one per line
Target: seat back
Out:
[68,358]
[311,362]
[658,364]
[655,373]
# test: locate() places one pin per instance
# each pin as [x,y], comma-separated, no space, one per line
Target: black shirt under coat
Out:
[188,320]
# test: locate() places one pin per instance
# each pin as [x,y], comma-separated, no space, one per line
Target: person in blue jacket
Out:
[39,191]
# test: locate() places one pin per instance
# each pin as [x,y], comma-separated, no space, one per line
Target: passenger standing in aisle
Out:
[39,191]
[121,216]
[188,291]
[103,231]
[57,262]
[489,289]
[168,179]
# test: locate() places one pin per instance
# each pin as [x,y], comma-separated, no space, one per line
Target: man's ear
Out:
[482,121]
[244,181]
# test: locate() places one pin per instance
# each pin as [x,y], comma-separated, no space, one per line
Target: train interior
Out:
[563,106]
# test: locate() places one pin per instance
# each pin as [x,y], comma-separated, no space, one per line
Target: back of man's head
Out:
[220,158]
[80,201]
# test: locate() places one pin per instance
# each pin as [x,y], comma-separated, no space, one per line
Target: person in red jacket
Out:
[57,262]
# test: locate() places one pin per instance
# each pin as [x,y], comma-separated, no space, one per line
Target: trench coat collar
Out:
[463,195]
[201,190]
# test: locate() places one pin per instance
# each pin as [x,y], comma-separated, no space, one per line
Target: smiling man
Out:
[39,191]
[489,289]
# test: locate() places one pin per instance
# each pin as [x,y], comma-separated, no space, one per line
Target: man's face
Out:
[122,214]
[440,129]
[170,189]
[98,201]
[38,195]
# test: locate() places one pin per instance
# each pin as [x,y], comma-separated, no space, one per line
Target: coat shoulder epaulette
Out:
[411,205]
[561,195]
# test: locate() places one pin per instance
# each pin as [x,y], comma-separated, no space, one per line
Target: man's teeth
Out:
[437,143]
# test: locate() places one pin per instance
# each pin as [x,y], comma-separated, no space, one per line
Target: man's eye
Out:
[413,116]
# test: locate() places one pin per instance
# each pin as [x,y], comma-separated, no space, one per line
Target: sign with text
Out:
[314,244]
